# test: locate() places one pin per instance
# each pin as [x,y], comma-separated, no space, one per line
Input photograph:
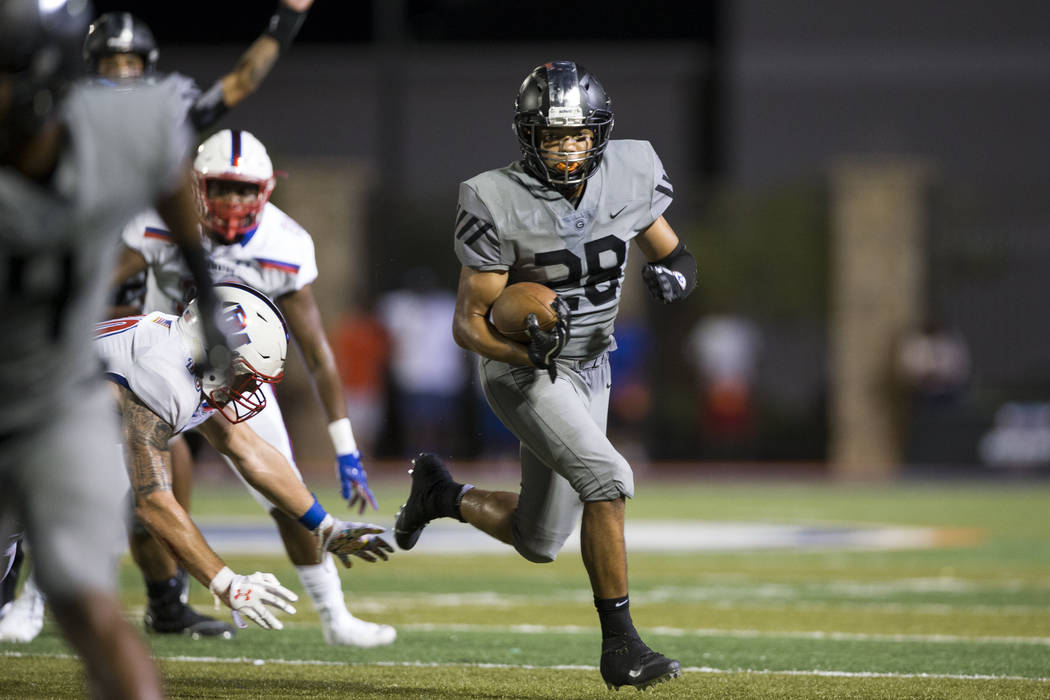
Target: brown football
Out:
[518,301]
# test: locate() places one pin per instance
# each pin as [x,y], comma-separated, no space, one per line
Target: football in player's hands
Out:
[516,302]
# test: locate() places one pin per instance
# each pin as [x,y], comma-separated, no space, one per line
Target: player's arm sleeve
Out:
[662,191]
[307,263]
[151,382]
[251,69]
[175,143]
[477,242]
[147,235]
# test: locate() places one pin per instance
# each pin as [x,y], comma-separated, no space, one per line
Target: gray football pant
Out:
[64,484]
[566,459]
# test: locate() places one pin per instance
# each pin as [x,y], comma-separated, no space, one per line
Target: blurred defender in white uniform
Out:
[155,365]
[249,239]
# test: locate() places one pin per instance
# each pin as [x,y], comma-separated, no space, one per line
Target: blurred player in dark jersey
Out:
[75,164]
[120,50]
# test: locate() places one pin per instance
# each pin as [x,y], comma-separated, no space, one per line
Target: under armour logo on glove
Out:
[248,596]
[664,284]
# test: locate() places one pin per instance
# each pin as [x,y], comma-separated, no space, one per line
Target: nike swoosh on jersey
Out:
[613,216]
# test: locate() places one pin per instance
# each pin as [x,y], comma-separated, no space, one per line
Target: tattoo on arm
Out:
[146,439]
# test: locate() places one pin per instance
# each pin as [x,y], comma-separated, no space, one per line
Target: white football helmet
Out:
[237,156]
[259,337]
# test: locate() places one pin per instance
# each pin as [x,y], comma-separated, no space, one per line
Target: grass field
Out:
[967,619]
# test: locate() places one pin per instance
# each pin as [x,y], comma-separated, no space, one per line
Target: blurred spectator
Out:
[934,363]
[933,371]
[1020,438]
[362,349]
[631,397]
[428,369]
[724,349]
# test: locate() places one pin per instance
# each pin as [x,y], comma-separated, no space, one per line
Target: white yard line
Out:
[430,664]
[739,633]
[721,596]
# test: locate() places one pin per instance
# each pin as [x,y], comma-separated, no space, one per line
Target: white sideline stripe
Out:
[747,597]
[737,633]
[434,664]
[641,535]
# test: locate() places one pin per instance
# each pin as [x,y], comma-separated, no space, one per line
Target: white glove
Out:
[344,538]
[249,596]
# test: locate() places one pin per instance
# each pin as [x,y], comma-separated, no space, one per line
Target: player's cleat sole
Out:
[187,621]
[627,661]
[427,473]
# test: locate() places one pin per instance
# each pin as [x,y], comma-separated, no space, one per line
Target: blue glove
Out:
[354,481]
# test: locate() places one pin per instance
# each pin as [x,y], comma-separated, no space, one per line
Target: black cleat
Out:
[626,660]
[427,473]
[182,619]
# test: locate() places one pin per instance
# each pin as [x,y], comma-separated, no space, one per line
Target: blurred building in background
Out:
[752,106]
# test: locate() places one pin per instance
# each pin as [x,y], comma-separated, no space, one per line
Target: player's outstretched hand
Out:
[248,597]
[345,539]
[544,346]
[354,482]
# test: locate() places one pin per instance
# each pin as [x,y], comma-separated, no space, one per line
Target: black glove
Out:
[544,346]
[665,284]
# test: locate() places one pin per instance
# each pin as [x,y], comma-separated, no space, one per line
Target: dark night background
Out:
[748,103]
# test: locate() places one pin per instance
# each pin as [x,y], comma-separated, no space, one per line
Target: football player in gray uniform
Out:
[75,164]
[561,216]
[120,49]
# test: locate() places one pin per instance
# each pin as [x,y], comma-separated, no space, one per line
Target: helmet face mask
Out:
[242,397]
[556,95]
[258,337]
[228,165]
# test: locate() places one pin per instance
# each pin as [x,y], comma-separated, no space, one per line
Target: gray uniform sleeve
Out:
[179,146]
[662,192]
[477,241]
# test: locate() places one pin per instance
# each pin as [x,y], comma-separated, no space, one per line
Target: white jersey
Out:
[277,259]
[124,151]
[147,356]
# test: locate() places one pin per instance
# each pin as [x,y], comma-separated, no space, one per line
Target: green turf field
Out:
[967,619]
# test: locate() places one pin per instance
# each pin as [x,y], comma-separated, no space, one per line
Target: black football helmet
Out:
[40,52]
[120,32]
[562,93]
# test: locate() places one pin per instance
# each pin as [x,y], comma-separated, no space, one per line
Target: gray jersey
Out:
[124,151]
[509,221]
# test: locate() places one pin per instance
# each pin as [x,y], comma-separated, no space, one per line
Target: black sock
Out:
[445,499]
[614,614]
[164,594]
